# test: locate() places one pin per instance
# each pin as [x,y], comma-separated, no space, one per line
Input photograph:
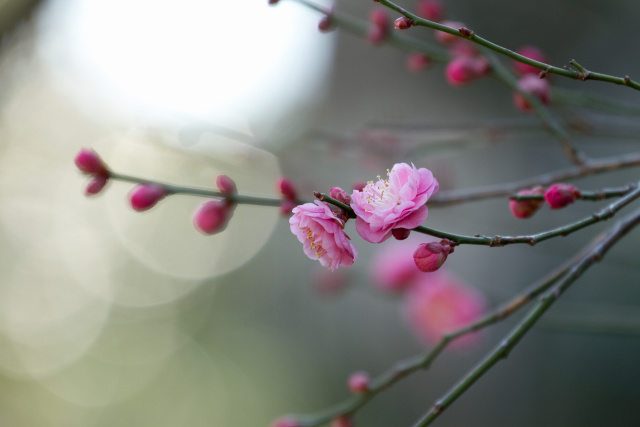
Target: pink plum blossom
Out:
[439,304]
[321,233]
[396,202]
[359,382]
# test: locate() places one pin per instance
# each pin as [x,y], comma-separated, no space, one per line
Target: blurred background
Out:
[112,317]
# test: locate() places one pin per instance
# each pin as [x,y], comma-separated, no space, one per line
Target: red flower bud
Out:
[464,69]
[560,195]
[340,195]
[226,185]
[145,196]
[286,188]
[380,24]
[403,23]
[212,216]
[530,52]
[430,256]
[432,10]
[342,421]
[535,86]
[359,382]
[96,184]
[526,208]
[286,206]
[400,233]
[89,162]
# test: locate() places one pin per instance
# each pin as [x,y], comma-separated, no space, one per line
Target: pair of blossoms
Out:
[387,207]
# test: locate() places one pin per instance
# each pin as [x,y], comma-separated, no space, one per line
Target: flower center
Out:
[381,194]
[320,251]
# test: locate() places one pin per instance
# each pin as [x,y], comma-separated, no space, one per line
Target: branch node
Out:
[465,32]
[626,80]
[438,408]
[532,241]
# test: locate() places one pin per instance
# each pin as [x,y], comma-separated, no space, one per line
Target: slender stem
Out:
[594,166]
[176,189]
[598,251]
[502,73]
[360,28]
[606,193]
[408,366]
[581,74]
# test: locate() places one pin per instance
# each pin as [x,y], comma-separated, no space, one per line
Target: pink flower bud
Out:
[464,69]
[342,421]
[286,188]
[432,10]
[535,86]
[212,217]
[272,2]
[89,162]
[446,38]
[359,382]
[325,24]
[430,256]
[286,421]
[526,208]
[403,23]
[96,184]
[380,25]
[226,185]
[358,185]
[400,233]
[145,196]
[286,206]
[530,52]
[417,62]
[462,47]
[560,195]
[340,195]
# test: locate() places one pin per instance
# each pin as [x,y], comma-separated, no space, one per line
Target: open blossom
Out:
[321,233]
[396,202]
[439,304]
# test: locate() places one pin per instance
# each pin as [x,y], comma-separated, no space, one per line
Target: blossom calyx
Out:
[145,196]
[429,257]
[560,195]
[526,208]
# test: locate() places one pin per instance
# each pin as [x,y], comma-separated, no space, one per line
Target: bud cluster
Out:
[557,196]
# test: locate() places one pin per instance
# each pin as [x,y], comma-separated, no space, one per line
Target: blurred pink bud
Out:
[325,24]
[530,52]
[286,206]
[417,62]
[432,10]
[342,421]
[286,188]
[380,23]
[327,282]
[392,268]
[400,233]
[439,304]
[96,184]
[446,38]
[430,256]
[286,421]
[526,208]
[462,47]
[464,69]
[145,196]
[403,23]
[359,382]
[212,216]
[272,2]
[226,185]
[89,162]
[560,195]
[340,195]
[358,185]
[535,86]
